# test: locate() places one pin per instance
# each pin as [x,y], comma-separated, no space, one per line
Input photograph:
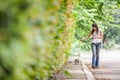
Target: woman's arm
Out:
[86,37]
[101,35]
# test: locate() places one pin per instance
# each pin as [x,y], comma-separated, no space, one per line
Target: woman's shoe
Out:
[93,67]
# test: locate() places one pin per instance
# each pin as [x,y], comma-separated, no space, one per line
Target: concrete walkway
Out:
[109,65]
[78,72]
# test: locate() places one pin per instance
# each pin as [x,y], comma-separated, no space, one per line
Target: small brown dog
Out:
[77,61]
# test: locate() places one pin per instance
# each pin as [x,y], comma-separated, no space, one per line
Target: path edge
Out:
[88,74]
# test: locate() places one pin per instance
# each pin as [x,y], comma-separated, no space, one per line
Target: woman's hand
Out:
[81,39]
[95,37]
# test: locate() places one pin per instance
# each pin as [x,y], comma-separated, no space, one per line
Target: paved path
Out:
[109,65]
[78,72]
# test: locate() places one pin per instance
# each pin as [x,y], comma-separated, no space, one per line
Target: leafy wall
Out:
[35,38]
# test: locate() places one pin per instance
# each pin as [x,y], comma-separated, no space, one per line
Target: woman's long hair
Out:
[94,25]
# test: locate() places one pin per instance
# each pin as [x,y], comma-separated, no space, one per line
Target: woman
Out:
[97,37]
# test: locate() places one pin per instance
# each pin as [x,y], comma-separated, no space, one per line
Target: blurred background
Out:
[37,36]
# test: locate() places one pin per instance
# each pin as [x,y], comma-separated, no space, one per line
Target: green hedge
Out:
[35,38]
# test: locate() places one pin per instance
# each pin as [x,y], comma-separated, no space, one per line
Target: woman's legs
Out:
[98,46]
[93,46]
[95,54]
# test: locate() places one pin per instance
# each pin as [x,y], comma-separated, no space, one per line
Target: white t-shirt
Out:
[96,40]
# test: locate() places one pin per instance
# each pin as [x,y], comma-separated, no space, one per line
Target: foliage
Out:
[111,37]
[87,12]
[111,33]
[35,38]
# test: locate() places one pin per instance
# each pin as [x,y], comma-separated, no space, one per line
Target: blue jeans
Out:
[95,54]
